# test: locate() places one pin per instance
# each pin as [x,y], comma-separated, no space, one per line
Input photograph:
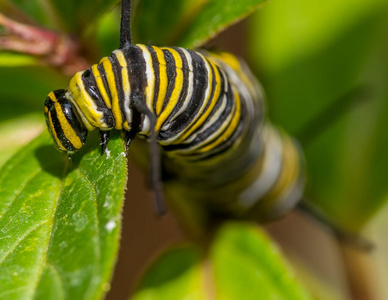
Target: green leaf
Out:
[310,54]
[175,275]
[242,263]
[78,15]
[60,220]
[243,257]
[187,23]
[151,26]
[108,32]
[214,17]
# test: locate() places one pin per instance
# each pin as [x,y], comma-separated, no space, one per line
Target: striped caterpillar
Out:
[204,109]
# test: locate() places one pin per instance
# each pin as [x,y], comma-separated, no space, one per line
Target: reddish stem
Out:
[54,49]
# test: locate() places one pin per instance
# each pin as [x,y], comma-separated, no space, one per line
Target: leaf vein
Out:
[32,229]
[20,190]
[12,291]
[98,240]
[59,279]
[44,260]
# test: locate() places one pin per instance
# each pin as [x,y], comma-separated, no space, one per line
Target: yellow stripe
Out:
[84,102]
[113,91]
[52,97]
[54,133]
[175,93]
[100,86]
[163,80]
[125,80]
[126,126]
[231,127]
[230,59]
[234,63]
[204,116]
[69,132]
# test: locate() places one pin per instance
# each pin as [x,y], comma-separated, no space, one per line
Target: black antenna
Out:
[125,27]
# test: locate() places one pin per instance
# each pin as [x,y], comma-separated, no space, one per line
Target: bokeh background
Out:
[306,54]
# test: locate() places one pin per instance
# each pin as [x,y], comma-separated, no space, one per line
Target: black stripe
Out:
[59,93]
[217,105]
[207,104]
[137,79]
[90,85]
[185,85]
[101,69]
[246,128]
[156,70]
[229,110]
[213,128]
[171,76]
[59,132]
[218,101]
[238,132]
[116,67]
[74,120]
[199,90]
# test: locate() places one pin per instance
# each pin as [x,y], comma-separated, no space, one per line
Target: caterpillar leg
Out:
[104,139]
[128,137]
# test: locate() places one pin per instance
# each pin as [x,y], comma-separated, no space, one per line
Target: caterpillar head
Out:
[63,122]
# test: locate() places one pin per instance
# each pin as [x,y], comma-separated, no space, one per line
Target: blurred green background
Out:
[310,53]
[305,53]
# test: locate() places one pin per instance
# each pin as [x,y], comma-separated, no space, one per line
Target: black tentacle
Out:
[125,28]
[155,163]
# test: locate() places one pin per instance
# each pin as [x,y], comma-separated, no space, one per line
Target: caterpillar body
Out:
[209,120]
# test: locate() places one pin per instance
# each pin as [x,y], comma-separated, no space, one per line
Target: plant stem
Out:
[360,272]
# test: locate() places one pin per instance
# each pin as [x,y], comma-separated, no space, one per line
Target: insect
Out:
[204,116]
[206,111]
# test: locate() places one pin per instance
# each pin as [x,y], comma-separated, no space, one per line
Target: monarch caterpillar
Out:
[205,109]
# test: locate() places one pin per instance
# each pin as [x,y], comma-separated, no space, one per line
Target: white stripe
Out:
[215,133]
[146,126]
[210,122]
[272,167]
[199,113]
[217,114]
[149,90]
